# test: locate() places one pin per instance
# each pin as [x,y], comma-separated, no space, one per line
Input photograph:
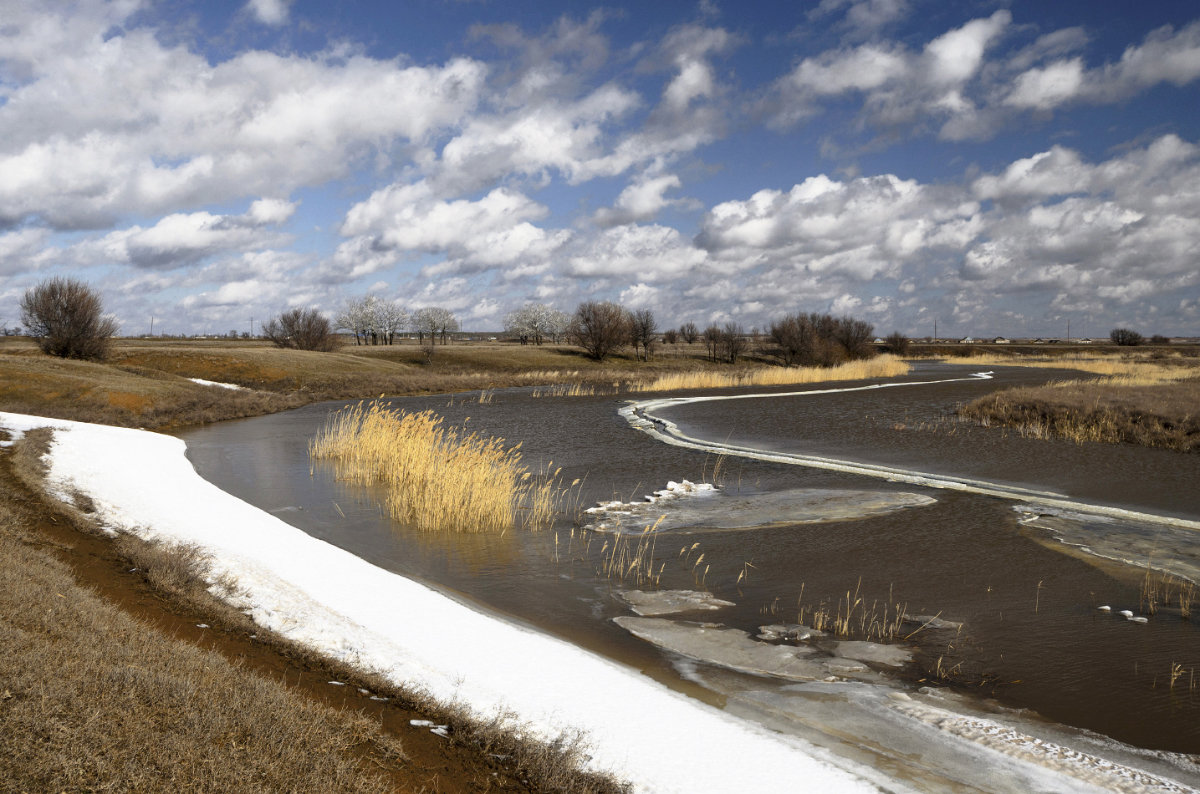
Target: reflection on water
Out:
[1031,637]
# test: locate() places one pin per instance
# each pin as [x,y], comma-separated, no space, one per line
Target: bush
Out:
[600,328]
[1159,339]
[67,319]
[896,343]
[301,329]
[1124,336]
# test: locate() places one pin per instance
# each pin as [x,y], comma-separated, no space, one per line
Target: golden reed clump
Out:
[437,478]
[878,367]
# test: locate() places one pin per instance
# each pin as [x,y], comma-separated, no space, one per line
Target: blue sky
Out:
[1001,167]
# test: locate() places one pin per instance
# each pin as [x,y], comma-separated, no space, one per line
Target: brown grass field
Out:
[1147,399]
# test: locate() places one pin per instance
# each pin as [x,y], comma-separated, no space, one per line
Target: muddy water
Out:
[1032,636]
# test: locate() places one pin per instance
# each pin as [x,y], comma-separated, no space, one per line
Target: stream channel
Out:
[1015,580]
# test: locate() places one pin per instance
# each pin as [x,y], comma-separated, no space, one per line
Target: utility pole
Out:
[935,329]
[152,325]
[1068,332]
[251,326]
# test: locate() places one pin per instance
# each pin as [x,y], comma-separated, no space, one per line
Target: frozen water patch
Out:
[722,510]
[218,384]
[670,602]
[1168,548]
[727,647]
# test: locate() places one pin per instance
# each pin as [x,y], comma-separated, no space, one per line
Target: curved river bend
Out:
[1016,573]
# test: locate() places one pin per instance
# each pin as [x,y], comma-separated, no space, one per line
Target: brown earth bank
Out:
[121,672]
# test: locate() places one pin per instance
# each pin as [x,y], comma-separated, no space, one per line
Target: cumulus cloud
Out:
[403,219]
[185,238]
[116,122]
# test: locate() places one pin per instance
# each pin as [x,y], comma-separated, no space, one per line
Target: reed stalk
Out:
[438,478]
[879,367]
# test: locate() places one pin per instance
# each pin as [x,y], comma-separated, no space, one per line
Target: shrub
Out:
[301,329]
[1159,339]
[896,343]
[67,319]
[600,328]
[1124,336]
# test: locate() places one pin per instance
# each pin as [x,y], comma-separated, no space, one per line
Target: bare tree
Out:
[897,343]
[854,337]
[67,319]
[733,342]
[301,329]
[712,340]
[670,336]
[536,322]
[689,332]
[641,332]
[434,322]
[391,318]
[1119,336]
[599,327]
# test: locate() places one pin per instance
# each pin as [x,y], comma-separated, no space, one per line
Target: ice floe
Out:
[720,509]
[668,602]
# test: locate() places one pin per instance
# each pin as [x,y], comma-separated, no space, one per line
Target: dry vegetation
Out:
[1139,400]
[438,478]
[880,367]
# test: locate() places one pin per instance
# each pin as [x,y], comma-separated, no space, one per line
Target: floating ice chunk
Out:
[792,632]
[727,647]
[1126,614]
[933,622]
[1105,608]
[877,653]
[668,602]
[1137,619]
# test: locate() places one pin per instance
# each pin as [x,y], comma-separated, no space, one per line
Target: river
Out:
[1015,585]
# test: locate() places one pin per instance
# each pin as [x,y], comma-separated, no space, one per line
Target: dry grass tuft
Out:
[879,367]
[438,478]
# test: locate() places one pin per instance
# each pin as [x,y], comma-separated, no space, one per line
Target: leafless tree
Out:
[854,336]
[733,342]
[712,340]
[536,322]
[434,322]
[689,332]
[301,329]
[670,336]
[641,332]
[896,343]
[1119,336]
[599,327]
[67,319]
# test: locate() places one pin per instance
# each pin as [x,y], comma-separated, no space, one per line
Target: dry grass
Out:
[852,616]
[1122,408]
[91,699]
[437,478]
[879,367]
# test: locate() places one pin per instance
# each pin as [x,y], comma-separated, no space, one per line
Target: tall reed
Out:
[437,478]
[878,367]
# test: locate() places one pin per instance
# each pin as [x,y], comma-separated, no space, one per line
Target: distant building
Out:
[1000,340]
[968,340]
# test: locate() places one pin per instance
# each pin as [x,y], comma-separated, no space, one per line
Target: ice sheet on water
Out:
[669,602]
[724,509]
[1172,549]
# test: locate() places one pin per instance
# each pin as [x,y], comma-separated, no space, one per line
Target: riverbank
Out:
[1147,400]
[122,671]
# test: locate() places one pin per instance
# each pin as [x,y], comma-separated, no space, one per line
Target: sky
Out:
[1001,168]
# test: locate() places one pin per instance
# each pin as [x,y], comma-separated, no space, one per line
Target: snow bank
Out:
[317,594]
[218,384]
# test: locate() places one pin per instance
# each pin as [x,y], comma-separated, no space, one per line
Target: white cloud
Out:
[492,231]
[116,122]
[269,12]
[650,253]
